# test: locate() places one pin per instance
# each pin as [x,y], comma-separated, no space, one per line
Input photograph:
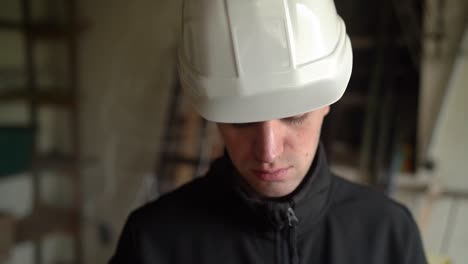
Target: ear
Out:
[326,110]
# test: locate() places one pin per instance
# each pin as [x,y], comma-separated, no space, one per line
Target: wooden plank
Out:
[11,25]
[43,30]
[189,140]
[421,188]
[50,31]
[7,224]
[41,97]
[55,162]
[43,221]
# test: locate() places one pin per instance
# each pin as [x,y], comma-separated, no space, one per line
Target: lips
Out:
[271,175]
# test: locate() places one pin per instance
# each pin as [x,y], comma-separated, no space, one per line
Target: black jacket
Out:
[327,220]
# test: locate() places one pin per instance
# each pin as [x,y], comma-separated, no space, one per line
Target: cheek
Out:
[303,137]
[236,145]
[305,140]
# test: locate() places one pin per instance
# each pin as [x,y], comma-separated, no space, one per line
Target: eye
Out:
[242,125]
[296,120]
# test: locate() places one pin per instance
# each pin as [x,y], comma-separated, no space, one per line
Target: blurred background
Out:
[93,123]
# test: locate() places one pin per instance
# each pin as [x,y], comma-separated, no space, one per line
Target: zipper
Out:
[292,218]
[292,237]
[286,241]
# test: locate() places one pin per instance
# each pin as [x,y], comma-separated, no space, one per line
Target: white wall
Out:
[444,132]
[449,148]
[437,61]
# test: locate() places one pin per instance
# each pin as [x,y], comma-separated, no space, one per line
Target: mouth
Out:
[271,175]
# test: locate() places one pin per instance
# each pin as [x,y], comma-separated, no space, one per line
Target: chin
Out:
[274,191]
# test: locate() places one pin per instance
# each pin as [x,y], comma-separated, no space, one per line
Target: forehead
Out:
[304,115]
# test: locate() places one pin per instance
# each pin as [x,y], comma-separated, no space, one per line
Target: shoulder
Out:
[198,202]
[373,219]
[153,229]
[177,203]
[360,203]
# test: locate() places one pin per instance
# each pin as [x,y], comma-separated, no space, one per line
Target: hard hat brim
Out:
[309,87]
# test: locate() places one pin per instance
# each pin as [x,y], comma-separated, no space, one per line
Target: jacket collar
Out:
[309,201]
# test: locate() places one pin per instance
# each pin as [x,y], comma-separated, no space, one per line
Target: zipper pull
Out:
[292,218]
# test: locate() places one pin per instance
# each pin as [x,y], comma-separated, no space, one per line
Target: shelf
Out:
[404,182]
[50,31]
[47,30]
[45,220]
[25,87]
[42,97]
[412,184]
[10,25]
[7,226]
[55,162]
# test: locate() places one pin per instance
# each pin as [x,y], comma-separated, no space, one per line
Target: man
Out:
[266,72]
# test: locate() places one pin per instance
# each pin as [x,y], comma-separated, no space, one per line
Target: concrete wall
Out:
[127,72]
[127,68]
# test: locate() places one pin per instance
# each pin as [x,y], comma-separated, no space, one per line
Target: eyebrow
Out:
[296,116]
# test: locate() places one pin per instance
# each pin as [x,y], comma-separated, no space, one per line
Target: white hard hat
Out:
[255,60]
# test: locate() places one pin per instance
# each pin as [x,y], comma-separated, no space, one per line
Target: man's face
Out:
[274,156]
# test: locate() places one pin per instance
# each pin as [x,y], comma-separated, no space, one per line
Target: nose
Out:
[268,144]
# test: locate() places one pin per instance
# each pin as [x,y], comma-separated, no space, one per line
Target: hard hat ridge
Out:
[247,61]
